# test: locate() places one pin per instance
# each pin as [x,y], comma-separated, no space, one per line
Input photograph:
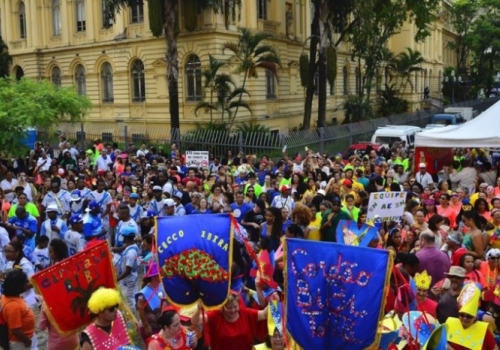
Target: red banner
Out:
[435,158]
[67,286]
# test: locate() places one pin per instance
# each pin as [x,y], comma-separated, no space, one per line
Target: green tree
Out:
[404,65]
[252,54]
[5,59]
[35,104]
[163,18]
[224,96]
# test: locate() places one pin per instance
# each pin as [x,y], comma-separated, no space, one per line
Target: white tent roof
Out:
[482,131]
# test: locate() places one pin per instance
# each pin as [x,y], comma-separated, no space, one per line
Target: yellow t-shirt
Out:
[314,226]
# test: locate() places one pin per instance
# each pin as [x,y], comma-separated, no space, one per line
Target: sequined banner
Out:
[334,294]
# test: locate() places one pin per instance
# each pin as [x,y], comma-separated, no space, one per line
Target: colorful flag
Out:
[67,286]
[335,294]
[195,255]
[348,232]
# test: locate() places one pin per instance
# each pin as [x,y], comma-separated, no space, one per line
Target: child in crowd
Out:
[41,258]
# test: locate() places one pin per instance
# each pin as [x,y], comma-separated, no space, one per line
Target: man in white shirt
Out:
[74,237]
[284,200]
[59,197]
[8,186]
[103,162]
[127,266]
[423,177]
[44,163]
[125,222]
[102,197]
[53,227]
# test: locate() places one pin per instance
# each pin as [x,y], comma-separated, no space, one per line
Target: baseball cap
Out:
[134,195]
[422,165]
[347,183]
[178,194]
[52,207]
[93,206]
[76,195]
[148,214]
[157,188]
[129,231]
[285,188]
[75,219]
[169,202]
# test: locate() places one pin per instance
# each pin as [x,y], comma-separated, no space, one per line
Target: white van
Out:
[387,135]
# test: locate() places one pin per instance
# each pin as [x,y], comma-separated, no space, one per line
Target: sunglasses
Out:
[112,308]
[462,315]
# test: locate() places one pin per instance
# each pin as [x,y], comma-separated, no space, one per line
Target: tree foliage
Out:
[36,104]
[390,103]
[5,59]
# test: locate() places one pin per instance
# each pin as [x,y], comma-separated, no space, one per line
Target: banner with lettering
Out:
[197,159]
[335,294]
[67,286]
[350,233]
[386,206]
[195,255]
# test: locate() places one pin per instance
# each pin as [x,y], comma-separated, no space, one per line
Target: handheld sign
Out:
[197,159]
[388,206]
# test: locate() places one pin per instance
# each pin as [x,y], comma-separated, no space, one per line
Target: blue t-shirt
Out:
[239,211]
[30,223]
[92,225]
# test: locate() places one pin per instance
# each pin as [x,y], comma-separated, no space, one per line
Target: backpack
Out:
[4,332]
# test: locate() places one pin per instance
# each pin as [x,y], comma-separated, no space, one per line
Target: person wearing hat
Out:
[168,208]
[76,204]
[53,227]
[490,270]
[252,181]
[423,283]
[135,210]
[423,177]
[149,301]
[108,329]
[274,338]
[157,204]
[465,331]
[284,200]
[179,208]
[127,265]
[331,219]
[125,222]
[92,222]
[147,222]
[61,198]
[454,242]
[74,237]
[447,304]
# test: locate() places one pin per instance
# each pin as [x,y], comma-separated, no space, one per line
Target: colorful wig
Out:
[102,299]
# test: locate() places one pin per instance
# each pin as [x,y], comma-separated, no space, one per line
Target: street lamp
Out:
[453,79]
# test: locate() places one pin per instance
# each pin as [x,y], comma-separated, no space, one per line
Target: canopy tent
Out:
[483,131]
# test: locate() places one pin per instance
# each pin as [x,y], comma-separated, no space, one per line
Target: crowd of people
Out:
[446,245]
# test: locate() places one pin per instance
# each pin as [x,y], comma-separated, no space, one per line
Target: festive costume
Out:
[274,322]
[423,281]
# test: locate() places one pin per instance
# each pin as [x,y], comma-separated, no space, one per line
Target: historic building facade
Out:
[122,69]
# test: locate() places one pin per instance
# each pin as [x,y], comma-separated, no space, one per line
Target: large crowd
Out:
[55,202]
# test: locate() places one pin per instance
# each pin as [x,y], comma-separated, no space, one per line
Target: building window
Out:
[345,75]
[56,17]
[137,12]
[262,9]
[107,22]
[193,78]
[138,82]
[358,80]
[107,82]
[19,73]
[55,77]
[22,21]
[81,84]
[270,85]
[80,16]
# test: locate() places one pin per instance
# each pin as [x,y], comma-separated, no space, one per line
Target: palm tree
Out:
[405,64]
[5,59]
[252,54]
[222,91]
[163,18]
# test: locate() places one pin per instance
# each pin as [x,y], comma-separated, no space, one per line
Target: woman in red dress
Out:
[172,335]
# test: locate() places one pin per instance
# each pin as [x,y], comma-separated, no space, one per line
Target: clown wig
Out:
[103,298]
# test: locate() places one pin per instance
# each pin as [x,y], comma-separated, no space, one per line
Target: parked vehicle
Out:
[359,149]
[387,135]
[448,119]
[466,112]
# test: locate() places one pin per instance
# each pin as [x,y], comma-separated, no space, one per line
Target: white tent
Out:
[482,131]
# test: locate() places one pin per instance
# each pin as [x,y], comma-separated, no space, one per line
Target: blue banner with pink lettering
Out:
[335,294]
[194,255]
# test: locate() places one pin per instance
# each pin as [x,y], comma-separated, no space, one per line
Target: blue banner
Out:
[335,294]
[348,232]
[195,254]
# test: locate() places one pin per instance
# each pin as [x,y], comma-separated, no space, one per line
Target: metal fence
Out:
[331,139]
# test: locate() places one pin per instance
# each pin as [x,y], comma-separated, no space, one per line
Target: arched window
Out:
[345,74]
[55,76]
[22,21]
[193,78]
[358,80]
[138,82]
[80,79]
[56,17]
[107,82]
[270,85]
[81,25]
[19,73]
